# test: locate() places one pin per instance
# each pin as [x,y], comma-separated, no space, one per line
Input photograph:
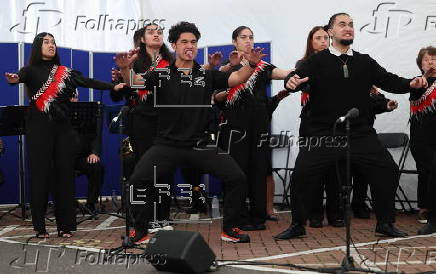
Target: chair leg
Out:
[287,193]
[406,199]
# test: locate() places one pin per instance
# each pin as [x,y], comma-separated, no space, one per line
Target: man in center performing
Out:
[183,94]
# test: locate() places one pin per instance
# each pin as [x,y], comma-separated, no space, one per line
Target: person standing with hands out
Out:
[50,87]
[340,79]
[252,121]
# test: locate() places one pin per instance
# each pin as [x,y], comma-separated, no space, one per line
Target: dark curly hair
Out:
[181,27]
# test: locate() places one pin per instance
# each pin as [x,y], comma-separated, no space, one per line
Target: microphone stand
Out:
[125,204]
[347,264]
[121,130]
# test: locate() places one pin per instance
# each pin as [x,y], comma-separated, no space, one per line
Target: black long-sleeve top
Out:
[35,76]
[332,95]
[422,113]
[184,102]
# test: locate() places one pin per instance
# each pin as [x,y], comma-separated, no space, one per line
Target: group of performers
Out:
[170,114]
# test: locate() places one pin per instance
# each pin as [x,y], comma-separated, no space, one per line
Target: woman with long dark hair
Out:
[142,116]
[251,120]
[49,133]
[142,121]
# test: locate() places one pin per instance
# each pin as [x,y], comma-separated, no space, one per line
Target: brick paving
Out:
[321,247]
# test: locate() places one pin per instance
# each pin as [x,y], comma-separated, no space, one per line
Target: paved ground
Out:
[322,247]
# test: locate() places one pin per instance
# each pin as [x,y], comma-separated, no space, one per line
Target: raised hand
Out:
[92,159]
[254,56]
[419,82]
[392,104]
[215,59]
[125,59]
[295,81]
[374,90]
[235,58]
[12,78]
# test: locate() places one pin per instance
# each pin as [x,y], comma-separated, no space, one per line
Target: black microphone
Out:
[122,116]
[117,123]
[351,114]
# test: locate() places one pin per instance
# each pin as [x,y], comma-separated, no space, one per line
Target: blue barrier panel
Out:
[200,56]
[103,63]
[80,62]
[9,191]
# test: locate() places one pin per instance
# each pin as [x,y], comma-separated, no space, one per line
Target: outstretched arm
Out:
[124,61]
[242,75]
[393,83]
[280,74]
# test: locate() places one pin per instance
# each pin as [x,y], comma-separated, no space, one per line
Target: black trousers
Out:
[193,177]
[161,159]
[424,154]
[50,150]
[245,136]
[142,132]
[94,173]
[368,157]
[360,190]
[333,206]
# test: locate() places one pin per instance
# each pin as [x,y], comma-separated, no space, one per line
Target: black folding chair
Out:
[399,140]
[282,141]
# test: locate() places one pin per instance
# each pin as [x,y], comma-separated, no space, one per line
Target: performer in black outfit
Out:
[87,160]
[184,92]
[340,79]
[379,104]
[251,122]
[48,132]
[142,116]
[318,40]
[423,137]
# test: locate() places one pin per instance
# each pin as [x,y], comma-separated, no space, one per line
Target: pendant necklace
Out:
[345,67]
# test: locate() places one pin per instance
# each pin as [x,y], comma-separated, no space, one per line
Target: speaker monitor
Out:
[180,252]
